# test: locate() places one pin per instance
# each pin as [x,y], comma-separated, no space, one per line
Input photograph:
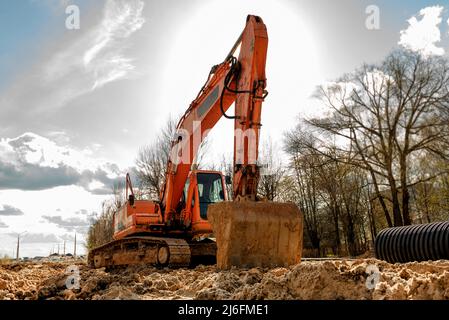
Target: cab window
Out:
[210,190]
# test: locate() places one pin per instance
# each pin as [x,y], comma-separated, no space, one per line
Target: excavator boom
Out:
[242,81]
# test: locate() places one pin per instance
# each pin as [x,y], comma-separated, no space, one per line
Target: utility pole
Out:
[64,247]
[18,245]
[74,249]
[58,249]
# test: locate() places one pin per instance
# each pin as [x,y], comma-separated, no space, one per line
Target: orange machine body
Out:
[140,217]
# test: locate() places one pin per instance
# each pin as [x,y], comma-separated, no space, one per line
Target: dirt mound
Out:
[307,280]
[22,281]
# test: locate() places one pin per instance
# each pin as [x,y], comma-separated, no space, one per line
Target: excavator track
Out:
[156,251]
[160,252]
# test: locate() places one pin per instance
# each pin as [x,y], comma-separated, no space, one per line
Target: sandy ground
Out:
[308,280]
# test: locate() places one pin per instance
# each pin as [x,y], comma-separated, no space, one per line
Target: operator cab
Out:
[210,188]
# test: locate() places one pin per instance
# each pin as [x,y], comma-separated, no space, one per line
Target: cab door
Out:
[209,189]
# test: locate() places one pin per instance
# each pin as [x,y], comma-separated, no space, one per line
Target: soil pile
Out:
[339,279]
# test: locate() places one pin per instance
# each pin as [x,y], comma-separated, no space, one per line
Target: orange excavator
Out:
[195,221]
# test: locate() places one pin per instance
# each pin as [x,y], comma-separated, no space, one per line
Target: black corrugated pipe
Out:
[413,243]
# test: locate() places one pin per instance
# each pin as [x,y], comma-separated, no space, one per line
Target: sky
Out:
[76,104]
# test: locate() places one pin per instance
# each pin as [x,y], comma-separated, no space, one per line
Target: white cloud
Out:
[338,92]
[33,162]
[73,204]
[95,184]
[39,238]
[51,183]
[376,81]
[34,149]
[373,82]
[423,35]
[97,54]
[104,59]
[70,224]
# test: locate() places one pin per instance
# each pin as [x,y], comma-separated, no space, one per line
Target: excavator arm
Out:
[242,81]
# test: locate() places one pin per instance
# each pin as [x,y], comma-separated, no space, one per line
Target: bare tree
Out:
[305,193]
[272,174]
[225,166]
[314,188]
[151,161]
[101,229]
[431,197]
[385,116]
[331,194]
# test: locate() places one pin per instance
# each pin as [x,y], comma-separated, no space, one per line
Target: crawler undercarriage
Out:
[156,251]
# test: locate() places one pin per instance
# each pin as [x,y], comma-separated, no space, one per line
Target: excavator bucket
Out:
[256,234]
